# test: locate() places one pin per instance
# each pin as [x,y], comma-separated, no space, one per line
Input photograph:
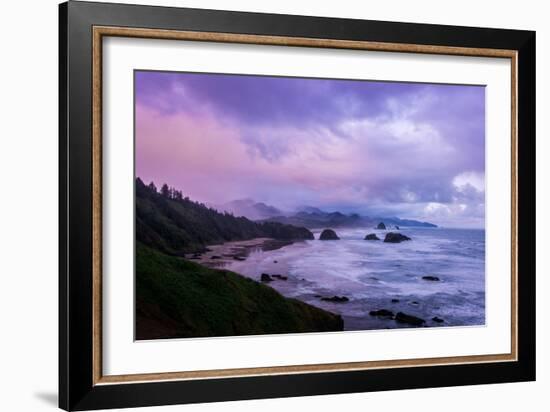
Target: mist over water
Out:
[373,273]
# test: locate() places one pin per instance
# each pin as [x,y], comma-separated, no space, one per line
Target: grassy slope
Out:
[178,298]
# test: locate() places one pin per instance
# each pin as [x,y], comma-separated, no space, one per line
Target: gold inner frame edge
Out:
[98,32]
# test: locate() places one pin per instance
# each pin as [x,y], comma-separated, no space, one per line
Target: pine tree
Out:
[165,191]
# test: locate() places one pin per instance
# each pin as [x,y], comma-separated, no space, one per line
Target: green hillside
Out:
[175,225]
[179,298]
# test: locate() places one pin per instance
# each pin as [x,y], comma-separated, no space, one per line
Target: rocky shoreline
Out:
[243,257]
[221,255]
[218,255]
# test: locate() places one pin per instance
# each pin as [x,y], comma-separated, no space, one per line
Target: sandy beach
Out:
[231,253]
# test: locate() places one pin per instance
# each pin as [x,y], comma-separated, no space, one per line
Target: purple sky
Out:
[376,148]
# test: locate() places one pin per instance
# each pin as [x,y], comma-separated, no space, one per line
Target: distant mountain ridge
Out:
[250,209]
[310,209]
[319,219]
[310,217]
[405,222]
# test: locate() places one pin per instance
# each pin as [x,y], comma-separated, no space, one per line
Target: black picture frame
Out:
[77,390]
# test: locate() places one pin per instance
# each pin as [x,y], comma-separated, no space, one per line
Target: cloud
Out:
[415,150]
[463,181]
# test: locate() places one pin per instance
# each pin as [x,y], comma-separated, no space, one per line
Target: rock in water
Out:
[382,313]
[393,237]
[431,278]
[372,236]
[410,319]
[336,299]
[265,278]
[328,234]
[438,320]
[381,226]
[396,227]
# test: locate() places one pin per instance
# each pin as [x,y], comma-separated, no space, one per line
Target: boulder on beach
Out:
[266,278]
[372,236]
[410,319]
[381,226]
[336,299]
[431,278]
[382,313]
[328,234]
[394,237]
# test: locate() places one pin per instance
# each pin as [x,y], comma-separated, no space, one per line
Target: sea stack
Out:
[372,236]
[328,234]
[394,237]
[381,226]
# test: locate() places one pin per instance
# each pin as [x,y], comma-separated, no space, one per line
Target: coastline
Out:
[353,277]
[224,254]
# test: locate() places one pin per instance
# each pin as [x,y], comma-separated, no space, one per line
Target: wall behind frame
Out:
[28,210]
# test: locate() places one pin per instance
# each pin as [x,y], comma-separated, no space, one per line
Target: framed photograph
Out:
[256,205]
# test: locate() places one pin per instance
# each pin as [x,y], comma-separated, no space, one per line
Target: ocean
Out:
[374,275]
